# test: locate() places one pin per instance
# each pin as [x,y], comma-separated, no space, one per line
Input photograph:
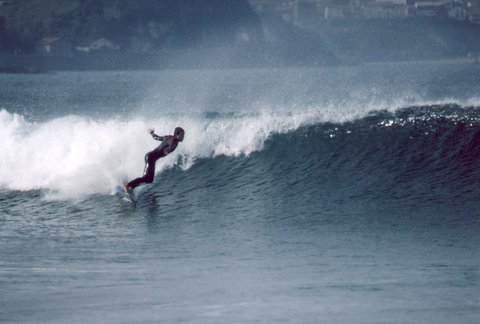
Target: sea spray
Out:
[75,156]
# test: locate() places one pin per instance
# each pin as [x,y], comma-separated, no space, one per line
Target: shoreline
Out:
[39,64]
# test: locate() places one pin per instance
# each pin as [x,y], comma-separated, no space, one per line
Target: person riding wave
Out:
[168,145]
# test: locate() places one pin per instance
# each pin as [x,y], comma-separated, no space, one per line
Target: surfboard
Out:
[120,192]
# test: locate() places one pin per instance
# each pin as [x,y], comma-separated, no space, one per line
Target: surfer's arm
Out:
[155,136]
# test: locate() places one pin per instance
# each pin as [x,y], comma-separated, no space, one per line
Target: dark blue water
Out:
[342,195]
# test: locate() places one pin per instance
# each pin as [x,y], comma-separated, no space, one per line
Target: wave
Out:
[411,151]
[419,153]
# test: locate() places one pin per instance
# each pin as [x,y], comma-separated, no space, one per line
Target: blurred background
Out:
[38,35]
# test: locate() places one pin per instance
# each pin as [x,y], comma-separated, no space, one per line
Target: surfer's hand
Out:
[151,130]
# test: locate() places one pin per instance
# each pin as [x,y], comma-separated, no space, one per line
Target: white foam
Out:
[76,156]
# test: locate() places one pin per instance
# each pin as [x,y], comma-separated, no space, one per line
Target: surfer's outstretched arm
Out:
[155,136]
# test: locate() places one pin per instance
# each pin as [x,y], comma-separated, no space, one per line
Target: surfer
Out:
[169,144]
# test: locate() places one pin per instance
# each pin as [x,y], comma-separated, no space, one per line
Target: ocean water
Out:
[326,195]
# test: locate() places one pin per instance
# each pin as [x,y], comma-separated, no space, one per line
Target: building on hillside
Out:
[334,12]
[54,46]
[101,44]
[429,8]
[472,8]
[298,11]
[284,9]
[457,11]
[384,9]
[302,12]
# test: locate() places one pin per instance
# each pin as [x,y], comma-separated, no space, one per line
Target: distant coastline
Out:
[36,64]
[15,69]
[278,44]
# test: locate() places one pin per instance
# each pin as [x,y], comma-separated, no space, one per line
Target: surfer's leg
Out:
[148,174]
[135,183]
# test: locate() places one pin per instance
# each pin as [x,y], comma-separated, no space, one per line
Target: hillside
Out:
[140,25]
[151,34]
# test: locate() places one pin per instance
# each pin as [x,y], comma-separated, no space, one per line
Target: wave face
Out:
[419,157]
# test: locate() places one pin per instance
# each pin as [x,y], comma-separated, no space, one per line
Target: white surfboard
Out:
[120,192]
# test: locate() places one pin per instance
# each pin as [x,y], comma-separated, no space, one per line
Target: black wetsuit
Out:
[169,144]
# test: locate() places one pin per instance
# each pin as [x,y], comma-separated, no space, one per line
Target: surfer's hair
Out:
[178,131]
